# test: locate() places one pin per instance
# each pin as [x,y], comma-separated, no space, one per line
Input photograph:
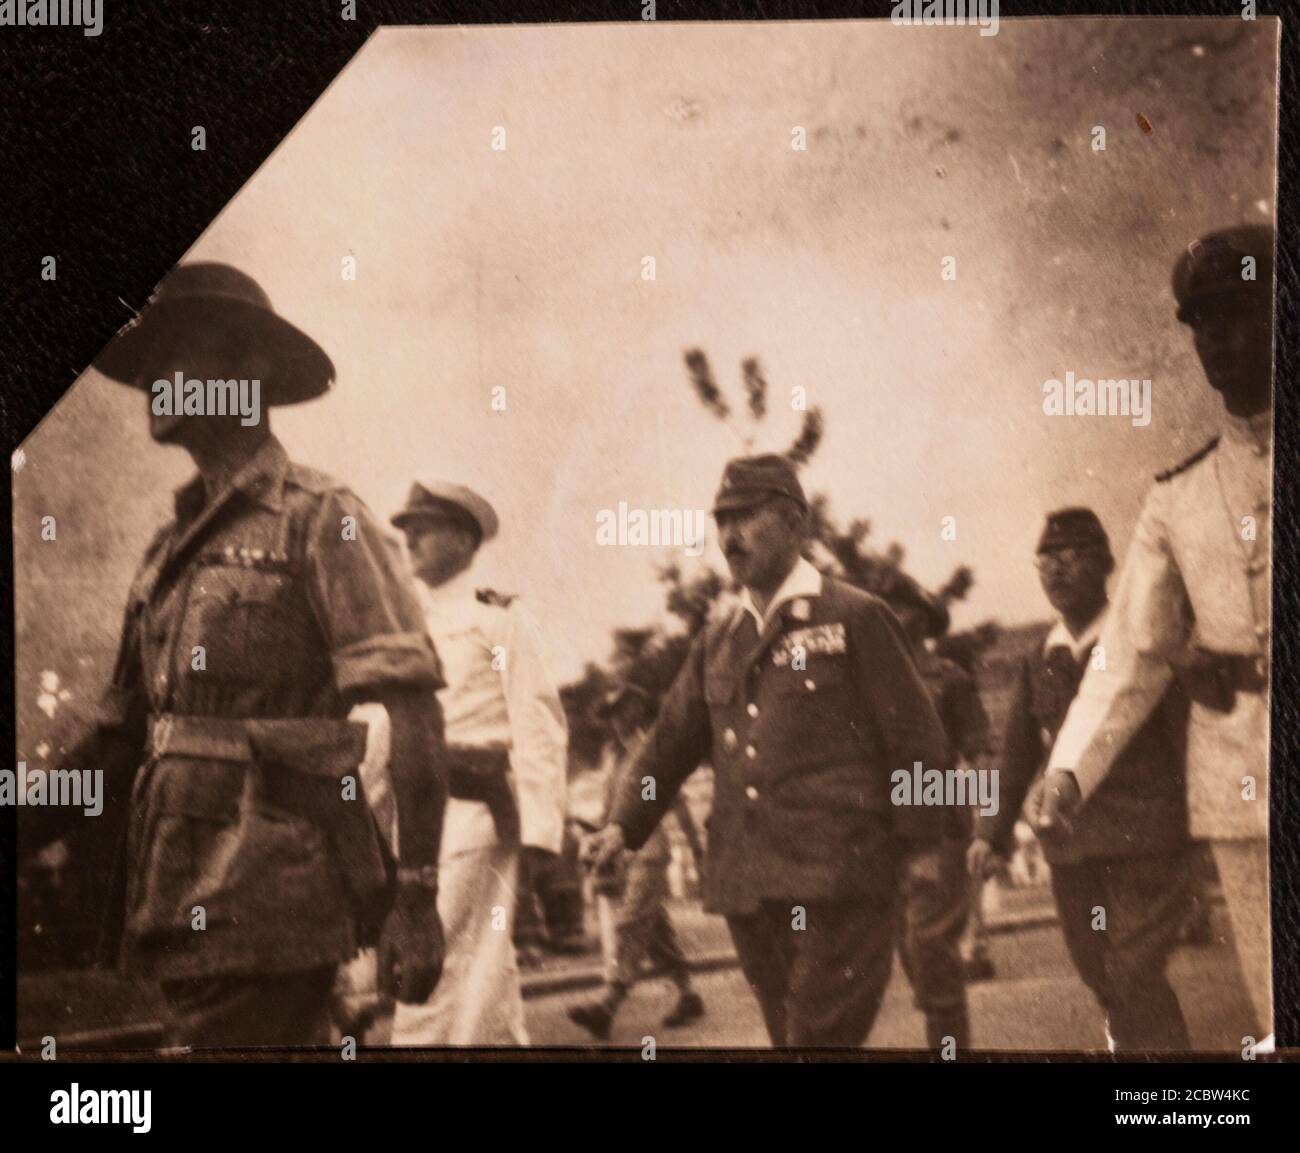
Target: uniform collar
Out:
[803,580]
[458,590]
[1081,646]
[261,478]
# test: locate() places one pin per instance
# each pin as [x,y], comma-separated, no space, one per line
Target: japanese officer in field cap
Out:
[1192,601]
[809,706]
[261,613]
[1125,851]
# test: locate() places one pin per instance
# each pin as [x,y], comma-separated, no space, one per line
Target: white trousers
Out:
[478,1001]
[1243,873]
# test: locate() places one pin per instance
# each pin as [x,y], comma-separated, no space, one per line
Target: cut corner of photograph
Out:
[749,503]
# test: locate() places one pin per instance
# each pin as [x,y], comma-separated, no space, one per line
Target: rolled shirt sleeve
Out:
[1150,623]
[538,734]
[366,604]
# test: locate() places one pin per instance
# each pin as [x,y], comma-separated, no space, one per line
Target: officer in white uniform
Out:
[506,738]
[1193,602]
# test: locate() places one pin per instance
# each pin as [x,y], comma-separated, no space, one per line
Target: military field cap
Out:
[1072,528]
[618,694]
[906,592]
[750,480]
[207,292]
[1212,267]
[439,497]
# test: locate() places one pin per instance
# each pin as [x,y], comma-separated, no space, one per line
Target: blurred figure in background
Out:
[633,895]
[938,910]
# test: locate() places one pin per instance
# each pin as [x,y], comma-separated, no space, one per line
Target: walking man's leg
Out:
[1243,875]
[840,969]
[666,953]
[931,928]
[1146,904]
[765,947]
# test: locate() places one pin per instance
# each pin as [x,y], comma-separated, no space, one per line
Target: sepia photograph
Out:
[664,536]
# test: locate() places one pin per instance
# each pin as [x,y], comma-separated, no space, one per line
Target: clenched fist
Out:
[412,949]
[600,850]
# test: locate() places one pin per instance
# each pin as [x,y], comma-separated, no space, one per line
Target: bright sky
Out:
[522,268]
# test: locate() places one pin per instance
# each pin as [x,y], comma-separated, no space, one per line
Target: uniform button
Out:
[729,739]
[751,793]
[751,752]
[751,709]
[810,684]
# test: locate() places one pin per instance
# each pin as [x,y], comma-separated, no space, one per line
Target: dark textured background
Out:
[96,169]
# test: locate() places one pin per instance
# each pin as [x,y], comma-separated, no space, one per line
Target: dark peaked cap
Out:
[1072,528]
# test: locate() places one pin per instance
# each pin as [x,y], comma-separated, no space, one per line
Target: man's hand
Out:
[1053,804]
[411,949]
[924,865]
[982,859]
[600,850]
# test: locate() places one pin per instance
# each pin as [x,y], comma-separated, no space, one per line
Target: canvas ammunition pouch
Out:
[307,767]
[483,774]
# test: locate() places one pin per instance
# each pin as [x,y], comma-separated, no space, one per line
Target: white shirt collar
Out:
[802,581]
[460,588]
[1086,641]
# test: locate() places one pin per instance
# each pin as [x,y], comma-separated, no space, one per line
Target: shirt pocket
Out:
[823,675]
[239,615]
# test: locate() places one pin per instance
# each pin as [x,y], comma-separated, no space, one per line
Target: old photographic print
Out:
[652,536]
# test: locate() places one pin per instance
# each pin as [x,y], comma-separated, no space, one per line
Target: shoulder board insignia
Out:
[1183,466]
[492,597]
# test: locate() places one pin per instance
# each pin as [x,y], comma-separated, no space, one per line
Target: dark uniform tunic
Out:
[1127,853]
[804,725]
[252,624]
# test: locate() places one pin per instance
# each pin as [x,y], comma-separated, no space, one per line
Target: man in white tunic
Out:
[506,739]
[1193,602]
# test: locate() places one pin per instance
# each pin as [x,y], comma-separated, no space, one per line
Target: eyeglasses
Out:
[1061,558]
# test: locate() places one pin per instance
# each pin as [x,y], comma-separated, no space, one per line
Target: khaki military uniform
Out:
[253,622]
